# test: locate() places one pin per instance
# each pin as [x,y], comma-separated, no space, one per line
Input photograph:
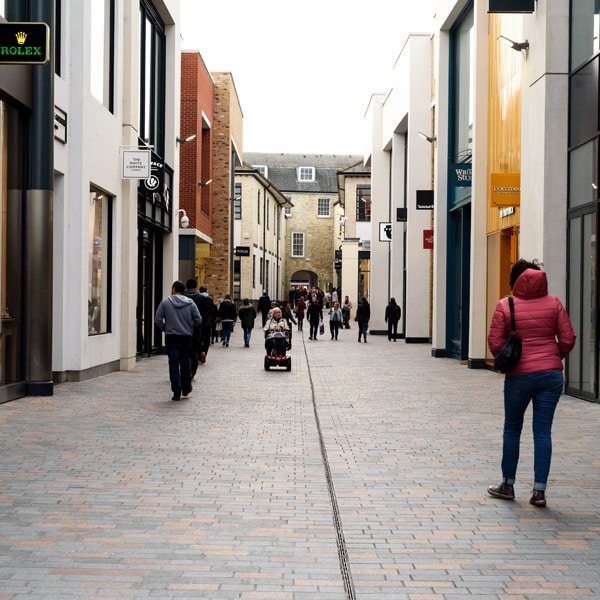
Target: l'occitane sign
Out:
[505,189]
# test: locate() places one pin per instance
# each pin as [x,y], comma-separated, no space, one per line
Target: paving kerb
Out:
[111,490]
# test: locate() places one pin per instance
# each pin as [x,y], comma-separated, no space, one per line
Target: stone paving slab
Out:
[362,473]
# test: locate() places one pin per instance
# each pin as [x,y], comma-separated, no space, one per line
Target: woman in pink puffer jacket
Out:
[541,321]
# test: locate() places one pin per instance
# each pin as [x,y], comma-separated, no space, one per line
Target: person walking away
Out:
[192,293]
[314,314]
[264,306]
[208,312]
[547,335]
[176,317]
[300,311]
[346,311]
[392,316]
[286,313]
[363,315]
[335,320]
[228,315]
[247,315]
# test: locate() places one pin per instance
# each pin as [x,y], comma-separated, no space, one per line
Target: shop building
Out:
[87,253]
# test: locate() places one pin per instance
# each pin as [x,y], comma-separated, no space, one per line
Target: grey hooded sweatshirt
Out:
[177,315]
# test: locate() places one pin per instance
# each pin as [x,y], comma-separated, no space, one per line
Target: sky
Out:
[304,71]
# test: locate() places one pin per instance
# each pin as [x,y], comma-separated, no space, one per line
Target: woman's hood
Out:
[531,284]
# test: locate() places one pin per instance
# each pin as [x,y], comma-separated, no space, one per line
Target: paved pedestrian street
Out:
[361,474]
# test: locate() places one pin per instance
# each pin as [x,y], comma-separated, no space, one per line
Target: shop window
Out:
[100,227]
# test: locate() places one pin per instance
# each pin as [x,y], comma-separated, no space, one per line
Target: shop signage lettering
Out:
[505,189]
[461,174]
[24,43]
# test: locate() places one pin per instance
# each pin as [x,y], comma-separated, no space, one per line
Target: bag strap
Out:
[511,305]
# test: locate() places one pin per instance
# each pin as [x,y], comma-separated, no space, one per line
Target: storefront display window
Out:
[99,263]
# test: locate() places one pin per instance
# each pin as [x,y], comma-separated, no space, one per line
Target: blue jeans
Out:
[247,334]
[543,390]
[179,351]
[227,329]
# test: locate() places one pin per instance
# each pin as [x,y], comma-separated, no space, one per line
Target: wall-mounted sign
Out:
[242,250]
[385,232]
[424,199]
[505,189]
[511,6]
[461,174]
[427,239]
[155,182]
[60,125]
[136,164]
[401,215]
[24,43]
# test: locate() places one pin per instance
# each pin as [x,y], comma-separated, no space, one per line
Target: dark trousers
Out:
[314,328]
[179,351]
[205,332]
[392,330]
[334,327]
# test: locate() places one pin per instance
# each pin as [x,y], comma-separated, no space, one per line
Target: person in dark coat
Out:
[247,315]
[392,316]
[228,315]
[314,314]
[264,306]
[192,293]
[363,315]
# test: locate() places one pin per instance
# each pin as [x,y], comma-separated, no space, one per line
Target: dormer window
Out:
[263,170]
[306,173]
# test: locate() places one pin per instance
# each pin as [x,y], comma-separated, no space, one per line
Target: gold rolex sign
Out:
[24,43]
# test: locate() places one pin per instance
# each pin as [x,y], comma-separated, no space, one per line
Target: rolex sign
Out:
[24,43]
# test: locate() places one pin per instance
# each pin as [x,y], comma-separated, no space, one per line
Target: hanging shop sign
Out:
[135,164]
[242,250]
[24,43]
[505,189]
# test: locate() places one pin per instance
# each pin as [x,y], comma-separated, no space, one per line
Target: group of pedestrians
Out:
[537,318]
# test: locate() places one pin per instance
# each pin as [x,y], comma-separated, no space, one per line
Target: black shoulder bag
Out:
[510,354]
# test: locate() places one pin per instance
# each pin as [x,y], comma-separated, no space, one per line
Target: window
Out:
[267,212]
[306,173]
[262,169]
[287,211]
[363,202]
[258,212]
[297,244]
[237,278]
[323,207]
[585,31]
[102,53]
[152,77]
[237,201]
[99,262]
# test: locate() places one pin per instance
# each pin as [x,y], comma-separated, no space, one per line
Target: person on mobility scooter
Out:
[277,341]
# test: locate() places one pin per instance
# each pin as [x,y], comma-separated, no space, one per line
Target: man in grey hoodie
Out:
[176,316]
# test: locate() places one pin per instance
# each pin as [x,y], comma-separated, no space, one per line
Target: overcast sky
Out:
[304,71]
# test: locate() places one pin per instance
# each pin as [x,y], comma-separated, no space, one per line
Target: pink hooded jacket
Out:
[541,321]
